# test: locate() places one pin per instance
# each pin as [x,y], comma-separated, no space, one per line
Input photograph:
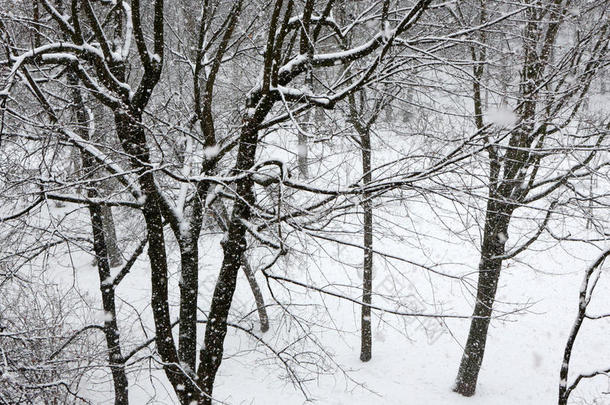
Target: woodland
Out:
[304,201]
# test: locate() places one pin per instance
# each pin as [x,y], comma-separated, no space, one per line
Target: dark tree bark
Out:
[116,361]
[189,287]
[188,241]
[223,219]
[367,268]
[363,126]
[494,240]
[233,248]
[132,136]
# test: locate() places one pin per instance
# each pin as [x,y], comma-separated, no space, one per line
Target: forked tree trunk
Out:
[233,248]
[507,175]
[222,219]
[131,134]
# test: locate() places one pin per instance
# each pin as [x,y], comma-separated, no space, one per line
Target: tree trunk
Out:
[367,268]
[111,329]
[107,187]
[189,287]
[584,298]
[216,328]
[257,293]
[565,365]
[100,247]
[189,282]
[233,249]
[114,253]
[132,137]
[36,16]
[222,218]
[494,239]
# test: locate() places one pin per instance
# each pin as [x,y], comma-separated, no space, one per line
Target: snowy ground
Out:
[521,363]
[412,364]
[414,361]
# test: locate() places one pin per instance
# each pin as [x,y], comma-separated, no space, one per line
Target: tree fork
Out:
[233,248]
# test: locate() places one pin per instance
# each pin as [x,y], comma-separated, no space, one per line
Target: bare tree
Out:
[589,282]
[522,161]
[362,120]
[116,361]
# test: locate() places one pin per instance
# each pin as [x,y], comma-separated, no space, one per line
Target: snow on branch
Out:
[587,287]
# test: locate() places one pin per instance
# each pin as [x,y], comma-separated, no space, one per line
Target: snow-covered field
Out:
[414,360]
[521,364]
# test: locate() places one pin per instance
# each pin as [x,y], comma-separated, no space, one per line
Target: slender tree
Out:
[362,120]
[589,282]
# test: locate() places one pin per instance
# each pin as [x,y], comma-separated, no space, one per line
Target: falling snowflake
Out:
[501,117]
